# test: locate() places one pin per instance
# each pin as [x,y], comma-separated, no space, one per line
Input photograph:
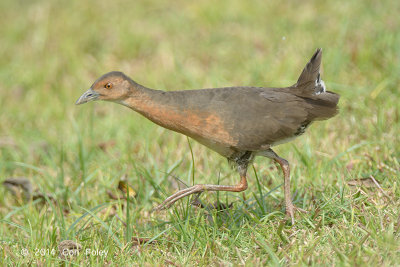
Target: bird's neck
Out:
[155,105]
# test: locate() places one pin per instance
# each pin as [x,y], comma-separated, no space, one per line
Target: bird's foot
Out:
[178,195]
[290,210]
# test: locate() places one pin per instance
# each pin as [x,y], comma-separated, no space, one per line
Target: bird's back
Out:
[248,118]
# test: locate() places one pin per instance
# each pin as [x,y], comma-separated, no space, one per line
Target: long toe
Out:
[290,211]
[167,203]
[300,210]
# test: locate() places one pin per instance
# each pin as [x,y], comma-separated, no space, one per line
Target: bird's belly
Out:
[301,130]
[221,149]
[285,140]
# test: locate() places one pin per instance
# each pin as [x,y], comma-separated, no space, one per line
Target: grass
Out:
[51,52]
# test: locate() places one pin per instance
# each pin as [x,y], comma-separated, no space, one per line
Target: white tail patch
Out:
[319,85]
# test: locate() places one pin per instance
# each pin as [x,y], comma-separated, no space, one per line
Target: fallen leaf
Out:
[106,145]
[19,186]
[68,249]
[66,211]
[368,182]
[112,195]
[125,187]
[365,182]
[22,187]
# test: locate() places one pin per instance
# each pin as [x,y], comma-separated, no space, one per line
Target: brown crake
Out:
[237,122]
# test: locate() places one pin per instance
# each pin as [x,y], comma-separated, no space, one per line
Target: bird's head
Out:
[113,86]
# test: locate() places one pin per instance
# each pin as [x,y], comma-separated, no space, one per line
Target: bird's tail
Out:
[309,82]
[309,86]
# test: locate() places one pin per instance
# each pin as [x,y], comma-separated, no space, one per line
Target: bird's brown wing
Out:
[264,116]
[251,117]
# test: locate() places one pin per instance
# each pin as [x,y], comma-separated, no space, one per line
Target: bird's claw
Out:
[290,210]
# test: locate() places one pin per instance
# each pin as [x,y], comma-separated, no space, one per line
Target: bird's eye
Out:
[108,85]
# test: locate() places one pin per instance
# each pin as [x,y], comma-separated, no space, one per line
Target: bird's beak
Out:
[87,96]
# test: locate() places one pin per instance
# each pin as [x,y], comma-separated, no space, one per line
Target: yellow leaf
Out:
[124,187]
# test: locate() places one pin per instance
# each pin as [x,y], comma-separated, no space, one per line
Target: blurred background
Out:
[52,51]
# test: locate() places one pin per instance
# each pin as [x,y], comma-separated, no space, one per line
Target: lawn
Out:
[76,156]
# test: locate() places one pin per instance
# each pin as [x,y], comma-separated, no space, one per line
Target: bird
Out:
[240,123]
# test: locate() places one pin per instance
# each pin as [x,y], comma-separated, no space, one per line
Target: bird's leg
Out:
[288,199]
[205,187]
[286,172]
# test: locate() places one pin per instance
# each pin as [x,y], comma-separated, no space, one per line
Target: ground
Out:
[75,156]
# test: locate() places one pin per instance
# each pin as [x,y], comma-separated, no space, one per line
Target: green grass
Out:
[52,51]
